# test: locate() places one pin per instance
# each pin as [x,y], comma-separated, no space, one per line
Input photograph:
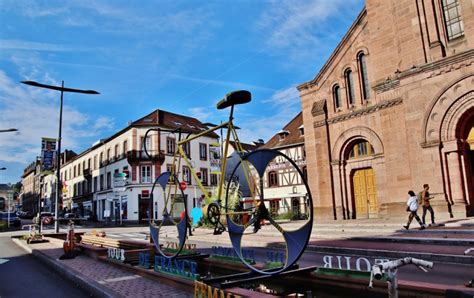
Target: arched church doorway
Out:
[364,187]
[365,193]
[465,134]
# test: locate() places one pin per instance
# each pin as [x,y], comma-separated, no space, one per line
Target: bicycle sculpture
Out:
[240,201]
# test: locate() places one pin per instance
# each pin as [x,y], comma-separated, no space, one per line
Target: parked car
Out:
[47,218]
[69,215]
[72,216]
[14,220]
[25,214]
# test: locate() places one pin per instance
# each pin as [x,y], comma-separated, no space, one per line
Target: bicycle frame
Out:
[252,165]
[180,154]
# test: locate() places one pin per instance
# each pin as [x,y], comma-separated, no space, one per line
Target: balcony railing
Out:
[139,155]
[86,172]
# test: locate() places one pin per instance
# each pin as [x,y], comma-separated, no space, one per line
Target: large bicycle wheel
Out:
[273,194]
[169,222]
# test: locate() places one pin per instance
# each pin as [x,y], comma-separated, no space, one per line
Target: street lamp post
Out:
[58,154]
[8,130]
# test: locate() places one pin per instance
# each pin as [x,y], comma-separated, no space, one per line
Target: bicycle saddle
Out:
[234,98]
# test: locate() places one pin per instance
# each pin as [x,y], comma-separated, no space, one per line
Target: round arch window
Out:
[361,149]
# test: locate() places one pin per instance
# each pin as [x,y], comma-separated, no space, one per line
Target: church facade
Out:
[393,109]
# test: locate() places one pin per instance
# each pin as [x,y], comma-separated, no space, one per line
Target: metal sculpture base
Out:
[233,280]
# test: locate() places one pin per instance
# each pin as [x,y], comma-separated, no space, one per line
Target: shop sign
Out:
[202,290]
[186,246]
[144,260]
[116,254]
[48,154]
[119,182]
[347,263]
[276,257]
[229,252]
[181,267]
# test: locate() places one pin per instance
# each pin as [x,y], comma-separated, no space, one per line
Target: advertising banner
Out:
[48,154]
[215,159]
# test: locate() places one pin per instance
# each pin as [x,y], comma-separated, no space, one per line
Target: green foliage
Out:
[269,265]
[287,215]
[3,225]
[233,202]
[234,195]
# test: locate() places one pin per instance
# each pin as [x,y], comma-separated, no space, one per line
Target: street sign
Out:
[120,181]
[182,185]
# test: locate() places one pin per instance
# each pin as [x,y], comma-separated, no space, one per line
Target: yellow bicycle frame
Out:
[180,154]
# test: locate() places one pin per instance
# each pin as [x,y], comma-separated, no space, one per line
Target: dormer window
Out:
[282,134]
[177,123]
[301,129]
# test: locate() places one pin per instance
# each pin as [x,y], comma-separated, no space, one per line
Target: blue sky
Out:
[179,56]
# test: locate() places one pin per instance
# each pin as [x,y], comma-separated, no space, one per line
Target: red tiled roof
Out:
[245,146]
[292,134]
[173,121]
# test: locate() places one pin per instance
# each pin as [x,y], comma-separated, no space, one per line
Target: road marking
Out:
[3,261]
[114,235]
[129,235]
[123,278]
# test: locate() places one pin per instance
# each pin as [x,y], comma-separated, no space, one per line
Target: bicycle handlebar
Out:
[377,270]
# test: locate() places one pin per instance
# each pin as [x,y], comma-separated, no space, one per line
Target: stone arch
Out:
[352,66]
[358,132]
[449,125]
[439,122]
[334,83]
[362,49]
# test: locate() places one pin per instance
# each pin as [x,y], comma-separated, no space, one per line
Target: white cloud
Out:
[230,84]
[200,113]
[35,113]
[288,96]
[264,128]
[104,123]
[302,30]
[283,105]
[294,22]
[13,44]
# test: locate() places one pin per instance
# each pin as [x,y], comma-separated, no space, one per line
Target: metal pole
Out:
[120,209]
[58,163]
[8,211]
[39,201]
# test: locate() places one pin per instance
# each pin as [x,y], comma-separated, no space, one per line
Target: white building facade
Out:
[88,179]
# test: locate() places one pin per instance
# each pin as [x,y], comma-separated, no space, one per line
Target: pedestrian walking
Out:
[425,201]
[184,215]
[412,207]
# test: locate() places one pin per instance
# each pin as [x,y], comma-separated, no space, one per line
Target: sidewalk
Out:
[445,244]
[99,278]
[104,279]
